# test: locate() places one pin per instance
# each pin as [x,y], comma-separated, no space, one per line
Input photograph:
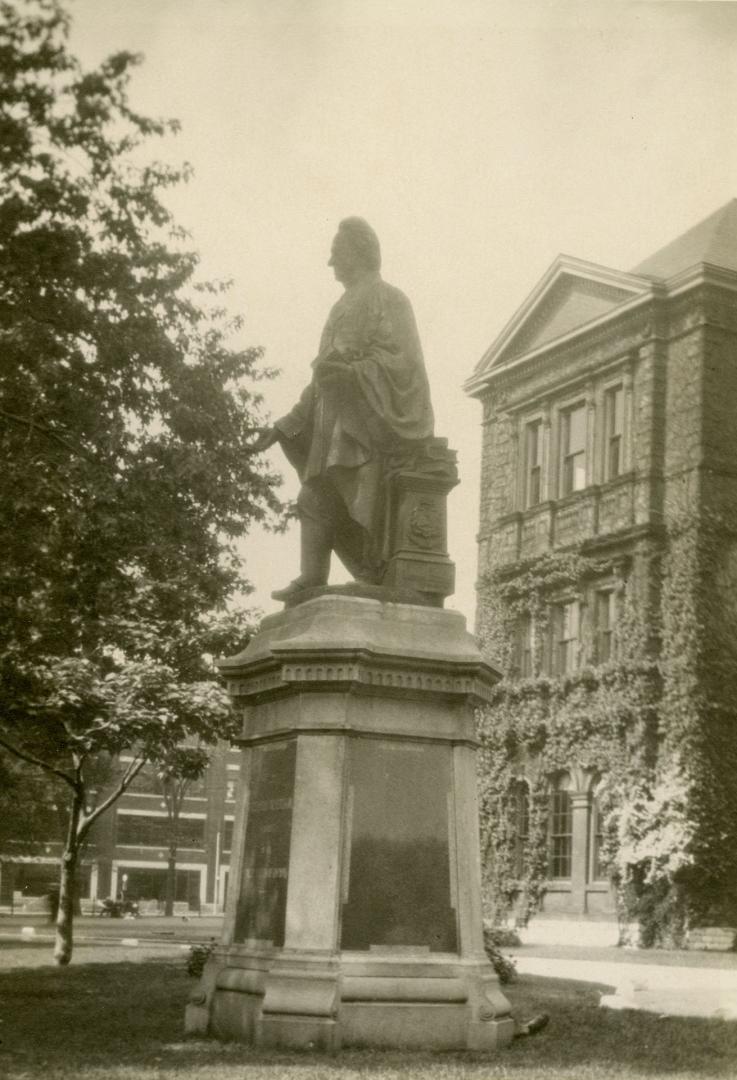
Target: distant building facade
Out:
[128,849]
[608,584]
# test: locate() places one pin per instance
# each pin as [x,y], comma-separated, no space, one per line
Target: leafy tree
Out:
[29,808]
[124,418]
[175,774]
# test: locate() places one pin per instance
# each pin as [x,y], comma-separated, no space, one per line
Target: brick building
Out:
[607,585]
[128,847]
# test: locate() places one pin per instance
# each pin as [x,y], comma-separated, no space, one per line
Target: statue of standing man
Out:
[368,403]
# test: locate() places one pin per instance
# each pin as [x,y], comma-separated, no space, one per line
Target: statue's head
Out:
[355,250]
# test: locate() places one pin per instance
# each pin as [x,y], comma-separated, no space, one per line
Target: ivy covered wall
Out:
[653,726]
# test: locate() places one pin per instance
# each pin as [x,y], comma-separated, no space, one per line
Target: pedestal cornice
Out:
[339,644]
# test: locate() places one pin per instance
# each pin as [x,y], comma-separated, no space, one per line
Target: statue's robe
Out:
[344,430]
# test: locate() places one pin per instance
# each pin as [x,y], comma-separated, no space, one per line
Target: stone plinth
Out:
[354,912]
[417,525]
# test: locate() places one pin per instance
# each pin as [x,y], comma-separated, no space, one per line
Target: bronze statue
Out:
[367,406]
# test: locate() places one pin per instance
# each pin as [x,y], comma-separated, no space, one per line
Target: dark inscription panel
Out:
[397,889]
[262,903]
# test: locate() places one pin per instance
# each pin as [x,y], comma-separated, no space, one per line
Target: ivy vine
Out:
[656,724]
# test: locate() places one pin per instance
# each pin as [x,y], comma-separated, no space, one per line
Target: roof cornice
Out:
[654,288]
[701,274]
[563,266]
[476,384]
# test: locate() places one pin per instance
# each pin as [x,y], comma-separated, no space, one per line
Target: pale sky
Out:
[480,139]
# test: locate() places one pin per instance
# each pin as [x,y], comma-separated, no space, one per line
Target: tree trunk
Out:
[173,797]
[171,882]
[65,914]
[68,886]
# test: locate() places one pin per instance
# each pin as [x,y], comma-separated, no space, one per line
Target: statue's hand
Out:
[266,439]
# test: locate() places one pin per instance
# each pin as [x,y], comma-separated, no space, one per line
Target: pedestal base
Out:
[354,911]
[412,1003]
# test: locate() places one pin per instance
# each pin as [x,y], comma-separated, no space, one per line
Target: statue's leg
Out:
[316,539]
[358,496]
[350,547]
[350,540]
[316,519]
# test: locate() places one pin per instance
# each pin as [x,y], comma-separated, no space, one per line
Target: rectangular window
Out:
[573,448]
[146,782]
[228,835]
[526,645]
[533,463]
[566,622]
[140,830]
[604,625]
[613,430]
[560,835]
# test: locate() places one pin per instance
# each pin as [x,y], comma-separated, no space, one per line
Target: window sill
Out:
[158,847]
[618,481]
[541,507]
[571,497]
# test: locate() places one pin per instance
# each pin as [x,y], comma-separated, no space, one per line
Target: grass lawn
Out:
[116,1014]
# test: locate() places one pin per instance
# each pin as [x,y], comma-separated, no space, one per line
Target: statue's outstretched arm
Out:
[294,423]
[299,418]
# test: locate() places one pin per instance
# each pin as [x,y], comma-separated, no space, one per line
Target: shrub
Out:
[198,956]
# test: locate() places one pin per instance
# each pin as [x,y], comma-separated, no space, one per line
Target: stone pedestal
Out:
[417,526]
[354,913]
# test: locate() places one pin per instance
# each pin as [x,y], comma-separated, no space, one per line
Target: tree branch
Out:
[130,774]
[33,425]
[33,760]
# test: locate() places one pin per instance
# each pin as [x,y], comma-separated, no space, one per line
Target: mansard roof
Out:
[712,241]
[575,295]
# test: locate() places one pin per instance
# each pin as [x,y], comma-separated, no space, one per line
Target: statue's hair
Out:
[364,241]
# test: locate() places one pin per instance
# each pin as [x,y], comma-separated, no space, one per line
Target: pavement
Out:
[99,930]
[669,983]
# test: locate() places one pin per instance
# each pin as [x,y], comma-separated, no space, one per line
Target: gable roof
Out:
[572,294]
[575,295]
[712,241]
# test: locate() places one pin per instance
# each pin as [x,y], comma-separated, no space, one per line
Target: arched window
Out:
[597,869]
[560,828]
[521,817]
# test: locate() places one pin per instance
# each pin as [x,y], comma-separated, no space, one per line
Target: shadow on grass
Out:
[115,1019]
[36,944]
[32,943]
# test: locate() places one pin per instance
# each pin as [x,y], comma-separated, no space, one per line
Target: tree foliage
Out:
[124,416]
[175,772]
[30,805]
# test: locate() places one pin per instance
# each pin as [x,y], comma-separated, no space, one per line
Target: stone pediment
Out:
[571,295]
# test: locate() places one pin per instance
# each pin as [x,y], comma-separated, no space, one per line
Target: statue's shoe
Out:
[294,587]
[536,1024]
